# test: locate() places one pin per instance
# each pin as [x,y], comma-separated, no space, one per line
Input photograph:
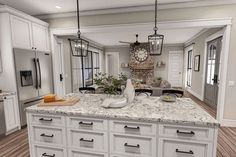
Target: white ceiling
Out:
[37,7]
[172,36]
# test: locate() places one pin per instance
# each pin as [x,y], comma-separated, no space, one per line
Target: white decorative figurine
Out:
[129,91]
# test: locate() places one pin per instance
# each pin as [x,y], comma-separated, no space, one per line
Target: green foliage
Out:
[109,83]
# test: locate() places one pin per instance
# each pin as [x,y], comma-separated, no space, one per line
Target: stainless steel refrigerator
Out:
[34,78]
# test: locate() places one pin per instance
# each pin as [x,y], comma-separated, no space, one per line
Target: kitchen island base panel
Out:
[96,137]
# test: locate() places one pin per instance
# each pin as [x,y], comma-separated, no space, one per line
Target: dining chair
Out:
[147,92]
[87,90]
[176,92]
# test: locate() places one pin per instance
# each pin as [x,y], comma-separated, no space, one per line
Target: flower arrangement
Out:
[109,83]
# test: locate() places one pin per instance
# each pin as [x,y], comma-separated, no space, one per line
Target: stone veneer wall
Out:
[141,70]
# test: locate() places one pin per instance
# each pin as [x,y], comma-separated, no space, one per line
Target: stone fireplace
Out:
[141,70]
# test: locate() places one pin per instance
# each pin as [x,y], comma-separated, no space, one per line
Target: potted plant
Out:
[109,84]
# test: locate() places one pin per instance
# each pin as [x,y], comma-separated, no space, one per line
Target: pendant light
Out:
[155,40]
[79,47]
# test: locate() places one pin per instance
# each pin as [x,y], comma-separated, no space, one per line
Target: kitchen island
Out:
[148,127]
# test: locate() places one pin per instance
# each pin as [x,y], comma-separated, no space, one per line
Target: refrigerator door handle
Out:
[40,77]
[36,71]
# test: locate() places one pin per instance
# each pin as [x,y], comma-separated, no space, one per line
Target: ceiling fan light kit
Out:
[155,40]
[79,46]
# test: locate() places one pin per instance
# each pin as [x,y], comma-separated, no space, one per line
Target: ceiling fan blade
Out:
[125,42]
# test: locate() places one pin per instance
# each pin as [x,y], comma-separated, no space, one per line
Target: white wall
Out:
[7,77]
[199,49]
[124,56]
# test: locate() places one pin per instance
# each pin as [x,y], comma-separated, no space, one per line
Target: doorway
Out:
[175,68]
[214,48]
[112,64]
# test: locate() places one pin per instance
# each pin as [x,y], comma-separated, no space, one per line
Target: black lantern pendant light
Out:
[155,40]
[79,47]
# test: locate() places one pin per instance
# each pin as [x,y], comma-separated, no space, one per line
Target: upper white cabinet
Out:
[21,33]
[11,111]
[29,35]
[40,37]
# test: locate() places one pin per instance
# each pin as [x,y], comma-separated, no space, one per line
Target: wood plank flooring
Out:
[16,144]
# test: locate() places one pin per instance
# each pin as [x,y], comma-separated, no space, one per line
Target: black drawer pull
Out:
[44,135]
[84,123]
[184,152]
[133,146]
[134,128]
[186,133]
[46,120]
[45,154]
[83,140]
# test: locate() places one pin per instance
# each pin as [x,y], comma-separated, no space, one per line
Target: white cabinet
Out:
[40,37]
[11,111]
[53,135]
[29,35]
[21,33]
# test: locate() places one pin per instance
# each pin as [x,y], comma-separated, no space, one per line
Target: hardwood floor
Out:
[16,144]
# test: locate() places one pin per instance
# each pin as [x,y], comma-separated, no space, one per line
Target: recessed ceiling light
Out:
[58,7]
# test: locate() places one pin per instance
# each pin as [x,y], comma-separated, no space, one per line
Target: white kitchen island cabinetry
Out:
[88,130]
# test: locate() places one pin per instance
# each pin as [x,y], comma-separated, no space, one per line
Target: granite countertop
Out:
[146,109]
[6,93]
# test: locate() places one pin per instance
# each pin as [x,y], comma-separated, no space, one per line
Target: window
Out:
[84,69]
[189,68]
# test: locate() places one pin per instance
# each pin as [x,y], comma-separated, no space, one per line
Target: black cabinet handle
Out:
[45,154]
[46,120]
[44,135]
[184,152]
[134,128]
[133,146]
[185,133]
[32,47]
[5,98]
[83,140]
[85,123]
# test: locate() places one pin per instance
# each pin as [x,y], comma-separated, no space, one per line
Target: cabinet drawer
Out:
[88,140]
[47,120]
[49,136]
[76,153]
[133,145]
[171,148]
[87,124]
[41,151]
[133,128]
[193,133]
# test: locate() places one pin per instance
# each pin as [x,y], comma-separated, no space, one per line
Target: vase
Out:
[129,91]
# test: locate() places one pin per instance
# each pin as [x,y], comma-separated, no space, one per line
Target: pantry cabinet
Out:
[29,35]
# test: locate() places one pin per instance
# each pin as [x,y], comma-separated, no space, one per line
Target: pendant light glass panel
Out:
[79,47]
[155,43]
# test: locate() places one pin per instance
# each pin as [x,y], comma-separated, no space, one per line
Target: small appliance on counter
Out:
[34,78]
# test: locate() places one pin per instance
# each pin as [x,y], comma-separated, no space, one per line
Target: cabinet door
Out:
[21,33]
[40,37]
[11,113]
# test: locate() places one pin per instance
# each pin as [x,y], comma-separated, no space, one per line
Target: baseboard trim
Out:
[228,123]
[194,94]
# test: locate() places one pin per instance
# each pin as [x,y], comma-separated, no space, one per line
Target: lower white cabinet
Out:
[46,151]
[11,110]
[65,136]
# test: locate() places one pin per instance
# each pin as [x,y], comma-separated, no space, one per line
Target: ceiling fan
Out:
[136,43]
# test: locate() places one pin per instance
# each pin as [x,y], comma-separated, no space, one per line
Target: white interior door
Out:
[175,68]
[112,64]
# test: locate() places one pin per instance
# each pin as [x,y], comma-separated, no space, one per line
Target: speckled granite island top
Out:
[146,109]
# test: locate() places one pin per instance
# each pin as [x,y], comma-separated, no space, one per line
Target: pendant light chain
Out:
[78,20]
[155,28]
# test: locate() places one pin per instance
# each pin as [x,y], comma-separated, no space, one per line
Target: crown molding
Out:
[179,5]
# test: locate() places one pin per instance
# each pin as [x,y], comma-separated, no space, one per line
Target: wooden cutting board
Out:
[67,102]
